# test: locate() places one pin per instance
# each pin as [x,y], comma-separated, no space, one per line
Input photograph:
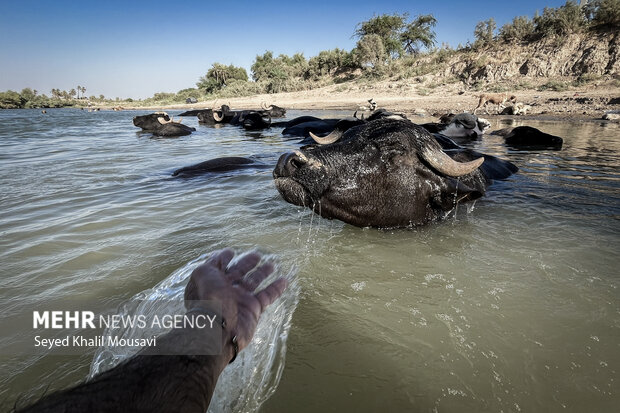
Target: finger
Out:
[190,291]
[220,259]
[253,280]
[271,293]
[243,265]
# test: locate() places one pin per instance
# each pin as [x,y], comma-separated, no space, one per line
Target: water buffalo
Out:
[314,127]
[463,125]
[385,173]
[237,117]
[160,124]
[273,110]
[225,164]
[255,120]
[303,129]
[527,136]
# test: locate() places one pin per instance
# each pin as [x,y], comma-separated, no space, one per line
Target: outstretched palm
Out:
[233,286]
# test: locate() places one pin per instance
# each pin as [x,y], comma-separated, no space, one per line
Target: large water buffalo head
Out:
[384,173]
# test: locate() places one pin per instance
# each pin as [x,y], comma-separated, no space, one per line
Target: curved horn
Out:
[355,114]
[448,166]
[325,140]
[163,121]
[263,105]
[217,117]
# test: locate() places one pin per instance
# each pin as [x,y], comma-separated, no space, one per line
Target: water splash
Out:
[254,376]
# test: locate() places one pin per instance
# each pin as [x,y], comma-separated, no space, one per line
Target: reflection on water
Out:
[512,306]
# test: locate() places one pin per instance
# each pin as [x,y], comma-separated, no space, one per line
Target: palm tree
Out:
[83,91]
[79,89]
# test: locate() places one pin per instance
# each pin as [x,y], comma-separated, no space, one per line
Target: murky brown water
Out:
[513,306]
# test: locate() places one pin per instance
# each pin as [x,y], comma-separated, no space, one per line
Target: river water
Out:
[512,305]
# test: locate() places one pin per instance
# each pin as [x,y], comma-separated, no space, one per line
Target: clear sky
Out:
[136,48]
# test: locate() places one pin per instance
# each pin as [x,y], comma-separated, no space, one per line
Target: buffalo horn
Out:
[325,140]
[448,166]
[217,117]
[163,121]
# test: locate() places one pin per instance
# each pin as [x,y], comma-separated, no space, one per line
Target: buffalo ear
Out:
[454,192]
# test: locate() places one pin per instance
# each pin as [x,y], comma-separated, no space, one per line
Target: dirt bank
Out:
[583,103]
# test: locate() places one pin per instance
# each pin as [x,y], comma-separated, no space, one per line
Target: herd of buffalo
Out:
[380,170]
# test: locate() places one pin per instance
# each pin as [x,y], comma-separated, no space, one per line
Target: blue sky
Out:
[135,48]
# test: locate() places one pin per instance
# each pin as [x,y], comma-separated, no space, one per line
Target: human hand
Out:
[233,286]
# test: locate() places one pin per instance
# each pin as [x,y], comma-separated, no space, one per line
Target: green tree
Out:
[371,52]
[521,29]
[484,32]
[218,75]
[604,14]
[283,68]
[11,100]
[329,63]
[388,27]
[28,94]
[418,33]
[72,93]
[566,19]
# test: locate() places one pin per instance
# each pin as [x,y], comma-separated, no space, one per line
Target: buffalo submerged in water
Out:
[386,173]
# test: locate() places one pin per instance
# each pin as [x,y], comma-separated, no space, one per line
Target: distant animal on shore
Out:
[498,99]
[372,105]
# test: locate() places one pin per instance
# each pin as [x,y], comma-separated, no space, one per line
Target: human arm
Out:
[181,382]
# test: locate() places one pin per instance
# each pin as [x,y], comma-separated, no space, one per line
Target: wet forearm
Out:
[144,383]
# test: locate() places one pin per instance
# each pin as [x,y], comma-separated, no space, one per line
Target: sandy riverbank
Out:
[588,102]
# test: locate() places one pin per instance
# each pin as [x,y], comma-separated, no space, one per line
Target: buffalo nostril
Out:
[295,161]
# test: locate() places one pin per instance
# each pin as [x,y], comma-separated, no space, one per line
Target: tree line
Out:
[31,98]
[385,43]
[388,42]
